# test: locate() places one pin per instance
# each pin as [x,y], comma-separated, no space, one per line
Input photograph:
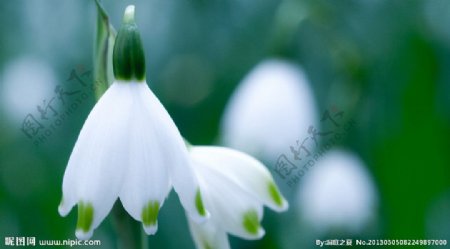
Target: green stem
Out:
[144,239]
[129,232]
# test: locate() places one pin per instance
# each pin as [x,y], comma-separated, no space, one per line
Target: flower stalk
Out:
[103,48]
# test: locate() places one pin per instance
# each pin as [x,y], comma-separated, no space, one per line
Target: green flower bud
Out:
[128,55]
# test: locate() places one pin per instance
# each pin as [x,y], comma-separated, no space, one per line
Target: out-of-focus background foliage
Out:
[386,64]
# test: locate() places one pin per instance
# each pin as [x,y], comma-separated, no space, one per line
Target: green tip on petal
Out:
[275,194]
[199,204]
[150,214]
[85,216]
[206,245]
[128,54]
[251,222]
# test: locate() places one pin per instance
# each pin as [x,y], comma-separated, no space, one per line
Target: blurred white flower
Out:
[129,147]
[235,187]
[337,193]
[271,108]
[19,98]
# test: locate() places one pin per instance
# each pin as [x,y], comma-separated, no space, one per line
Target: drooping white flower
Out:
[235,187]
[129,147]
[337,194]
[271,108]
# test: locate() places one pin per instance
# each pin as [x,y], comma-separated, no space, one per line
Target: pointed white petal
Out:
[174,155]
[186,185]
[238,212]
[243,170]
[69,191]
[96,166]
[147,183]
[208,235]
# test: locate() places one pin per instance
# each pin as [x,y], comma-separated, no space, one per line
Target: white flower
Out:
[129,147]
[271,108]
[338,193]
[235,187]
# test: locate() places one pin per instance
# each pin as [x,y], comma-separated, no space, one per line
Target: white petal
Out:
[186,185]
[243,170]
[95,169]
[238,212]
[171,150]
[208,235]
[147,181]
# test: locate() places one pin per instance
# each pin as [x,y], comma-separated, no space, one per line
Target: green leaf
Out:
[103,50]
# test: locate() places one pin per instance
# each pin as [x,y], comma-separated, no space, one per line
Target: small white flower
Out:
[271,108]
[338,193]
[129,147]
[235,187]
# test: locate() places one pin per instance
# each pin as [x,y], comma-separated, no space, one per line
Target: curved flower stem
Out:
[144,239]
[129,232]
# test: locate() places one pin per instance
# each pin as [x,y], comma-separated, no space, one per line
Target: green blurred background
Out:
[385,63]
